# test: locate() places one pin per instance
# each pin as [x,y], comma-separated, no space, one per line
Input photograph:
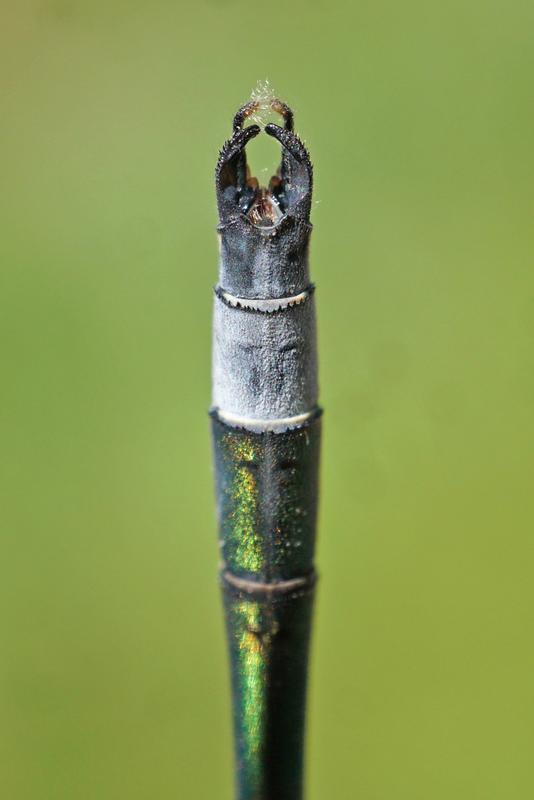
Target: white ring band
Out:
[265,425]
[265,305]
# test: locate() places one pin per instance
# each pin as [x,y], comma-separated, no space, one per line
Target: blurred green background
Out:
[419,118]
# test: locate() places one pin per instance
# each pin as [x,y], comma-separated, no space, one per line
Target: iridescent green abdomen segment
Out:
[268,636]
[267,500]
[267,505]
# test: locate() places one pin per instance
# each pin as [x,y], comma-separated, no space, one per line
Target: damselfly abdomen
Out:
[266,434]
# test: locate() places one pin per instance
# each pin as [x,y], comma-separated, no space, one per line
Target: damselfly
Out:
[266,431]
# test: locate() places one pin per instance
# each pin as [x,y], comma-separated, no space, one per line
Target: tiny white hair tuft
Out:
[262,95]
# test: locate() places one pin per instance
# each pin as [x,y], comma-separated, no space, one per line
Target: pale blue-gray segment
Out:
[264,364]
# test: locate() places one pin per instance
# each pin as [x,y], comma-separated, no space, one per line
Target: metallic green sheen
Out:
[267,500]
[267,507]
[269,640]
